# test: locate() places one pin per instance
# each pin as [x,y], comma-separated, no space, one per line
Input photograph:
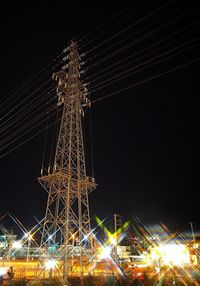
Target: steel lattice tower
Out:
[68,186]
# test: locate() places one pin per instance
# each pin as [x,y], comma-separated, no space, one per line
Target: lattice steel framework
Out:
[67,212]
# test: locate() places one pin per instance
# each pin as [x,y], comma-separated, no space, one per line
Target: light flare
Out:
[16,245]
[50,264]
[105,252]
[171,254]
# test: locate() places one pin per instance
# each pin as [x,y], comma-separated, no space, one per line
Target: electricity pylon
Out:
[67,219]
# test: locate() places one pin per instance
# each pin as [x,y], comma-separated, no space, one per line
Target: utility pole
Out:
[192,229]
[68,186]
[117,222]
[117,225]
[194,250]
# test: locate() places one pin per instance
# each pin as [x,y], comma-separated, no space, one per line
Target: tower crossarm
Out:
[69,86]
[87,184]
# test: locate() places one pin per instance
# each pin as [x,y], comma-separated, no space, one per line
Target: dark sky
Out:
[145,140]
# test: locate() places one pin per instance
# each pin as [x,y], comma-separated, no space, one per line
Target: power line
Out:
[118,76]
[30,129]
[27,82]
[24,100]
[145,80]
[25,126]
[45,140]
[131,35]
[13,119]
[107,96]
[146,36]
[127,73]
[28,139]
[17,129]
[131,26]
[111,27]
[91,140]
[94,30]
[132,55]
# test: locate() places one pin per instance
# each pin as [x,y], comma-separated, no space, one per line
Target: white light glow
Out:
[105,252]
[16,245]
[50,264]
[85,237]
[30,237]
[113,240]
[172,254]
[3,271]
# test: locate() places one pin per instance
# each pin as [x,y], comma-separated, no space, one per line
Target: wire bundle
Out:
[139,43]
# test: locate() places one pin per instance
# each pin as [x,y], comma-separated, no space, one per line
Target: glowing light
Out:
[16,245]
[3,271]
[171,254]
[117,236]
[126,224]
[50,237]
[50,264]
[30,237]
[105,252]
[113,240]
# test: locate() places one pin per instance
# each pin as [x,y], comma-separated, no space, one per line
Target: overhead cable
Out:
[146,80]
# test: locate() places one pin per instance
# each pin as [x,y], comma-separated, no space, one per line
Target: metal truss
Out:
[67,219]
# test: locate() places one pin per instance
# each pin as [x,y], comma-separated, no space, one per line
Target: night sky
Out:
[145,139]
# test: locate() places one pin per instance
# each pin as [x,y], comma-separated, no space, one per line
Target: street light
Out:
[50,265]
[105,252]
[16,245]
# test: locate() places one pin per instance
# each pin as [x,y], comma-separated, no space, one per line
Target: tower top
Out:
[69,85]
